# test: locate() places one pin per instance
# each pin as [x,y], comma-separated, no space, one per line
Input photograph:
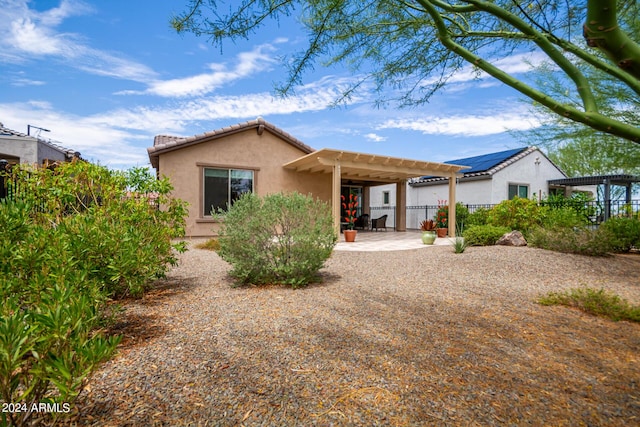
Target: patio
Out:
[373,241]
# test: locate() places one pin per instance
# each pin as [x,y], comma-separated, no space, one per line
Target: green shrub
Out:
[580,203]
[479,216]
[281,238]
[462,217]
[583,241]
[75,236]
[49,320]
[625,233]
[564,217]
[483,235]
[596,302]
[120,224]
[517,214]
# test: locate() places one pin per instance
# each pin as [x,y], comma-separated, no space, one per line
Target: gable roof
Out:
[166,143]
[483,166]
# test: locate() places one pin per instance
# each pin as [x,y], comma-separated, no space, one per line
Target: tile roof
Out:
[166,143]
[484,165]
[5,131]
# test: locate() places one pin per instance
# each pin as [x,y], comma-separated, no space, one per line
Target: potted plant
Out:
[350,212]
[442,218]
[428,228]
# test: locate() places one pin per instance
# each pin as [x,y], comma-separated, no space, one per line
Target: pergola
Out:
[377,169]
[606,180]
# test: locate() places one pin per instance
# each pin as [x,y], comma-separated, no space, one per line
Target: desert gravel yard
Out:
[406,338]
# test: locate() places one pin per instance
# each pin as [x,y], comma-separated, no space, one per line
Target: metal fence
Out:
[596,211]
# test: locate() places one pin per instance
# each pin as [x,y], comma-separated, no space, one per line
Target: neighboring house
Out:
[17,147]
[211,170]
[490,179]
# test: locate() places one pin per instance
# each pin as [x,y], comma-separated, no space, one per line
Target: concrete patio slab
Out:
[370,241]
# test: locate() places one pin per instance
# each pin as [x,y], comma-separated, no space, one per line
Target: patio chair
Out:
[362,222]
[379,223]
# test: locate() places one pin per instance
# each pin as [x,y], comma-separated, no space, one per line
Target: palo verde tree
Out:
[417,45]
[580,150]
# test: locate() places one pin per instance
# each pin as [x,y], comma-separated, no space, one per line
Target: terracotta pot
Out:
[442,232]
[350,235]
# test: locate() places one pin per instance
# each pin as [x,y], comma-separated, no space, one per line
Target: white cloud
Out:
[375,137]
[515,64]
[248,63]
[27,82]
[112,146]
[119,138]
[466,125]
[26,35]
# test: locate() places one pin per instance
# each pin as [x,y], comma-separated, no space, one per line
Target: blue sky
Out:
[105,77]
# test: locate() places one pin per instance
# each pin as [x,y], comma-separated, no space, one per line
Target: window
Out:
[223,186]
[385,197]
[521,191]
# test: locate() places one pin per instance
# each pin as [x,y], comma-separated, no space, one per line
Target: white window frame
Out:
[518,187]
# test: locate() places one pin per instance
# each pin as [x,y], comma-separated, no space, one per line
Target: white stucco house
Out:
[490,179]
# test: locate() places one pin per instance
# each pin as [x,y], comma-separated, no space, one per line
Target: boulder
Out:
[514,238]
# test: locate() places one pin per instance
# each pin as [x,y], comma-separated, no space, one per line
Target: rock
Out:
[514,238]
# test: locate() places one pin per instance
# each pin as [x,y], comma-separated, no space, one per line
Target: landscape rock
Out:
[513,238]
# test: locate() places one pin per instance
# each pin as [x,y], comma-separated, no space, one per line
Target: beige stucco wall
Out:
[265,154]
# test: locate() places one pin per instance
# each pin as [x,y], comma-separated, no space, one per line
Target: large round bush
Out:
[281,238]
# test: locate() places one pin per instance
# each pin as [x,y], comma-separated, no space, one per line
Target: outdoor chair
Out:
[362,222]
[379,223]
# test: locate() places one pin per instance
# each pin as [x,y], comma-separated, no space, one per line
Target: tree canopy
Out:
[415,46]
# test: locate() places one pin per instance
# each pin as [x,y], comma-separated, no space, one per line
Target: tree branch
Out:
[591,118]
[601,31]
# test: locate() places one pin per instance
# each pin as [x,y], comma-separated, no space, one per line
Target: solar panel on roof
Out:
[486,161]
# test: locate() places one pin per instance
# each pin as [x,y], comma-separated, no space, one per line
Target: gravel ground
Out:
[418,337]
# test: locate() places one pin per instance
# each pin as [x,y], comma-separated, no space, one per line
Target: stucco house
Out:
[17,147]
[210,170]
[490,178]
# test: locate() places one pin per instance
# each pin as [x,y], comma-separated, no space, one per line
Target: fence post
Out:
[3,188]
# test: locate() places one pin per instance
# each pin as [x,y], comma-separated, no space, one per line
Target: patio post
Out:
[401,205]
[452,205]
[335,195]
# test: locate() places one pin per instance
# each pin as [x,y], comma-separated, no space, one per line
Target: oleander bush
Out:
[120,224]
[483,235]
[50,339]
[278,239]
[73,237]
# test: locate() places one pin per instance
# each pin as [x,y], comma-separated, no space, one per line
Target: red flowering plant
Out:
[350,209]
[442,216]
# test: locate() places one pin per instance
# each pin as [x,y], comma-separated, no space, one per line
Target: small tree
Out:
[278,239]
